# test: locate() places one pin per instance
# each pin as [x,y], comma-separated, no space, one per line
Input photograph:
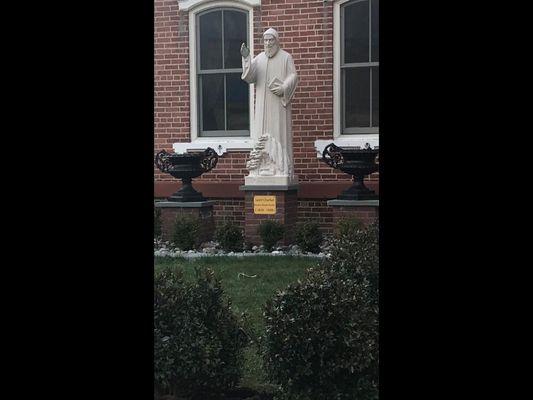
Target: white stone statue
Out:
[275,79]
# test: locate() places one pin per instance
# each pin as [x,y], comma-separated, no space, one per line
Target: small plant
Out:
[229,236]
[271,232]
[187,232]
[309,237]
[347,227]
[157,222]
[248,246]
[357,256]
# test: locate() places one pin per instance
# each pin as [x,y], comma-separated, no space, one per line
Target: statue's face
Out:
[271,45]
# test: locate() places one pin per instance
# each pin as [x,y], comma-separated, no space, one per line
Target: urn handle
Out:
[332,156]
[210,159]
[162,161]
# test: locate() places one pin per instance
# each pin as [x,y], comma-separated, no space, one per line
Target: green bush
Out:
[248,246]
[356,255]
[309,237]
[198,342]
[347,227]
[271,232]
[230,237]
[321,339]
[186,235]
[157,222]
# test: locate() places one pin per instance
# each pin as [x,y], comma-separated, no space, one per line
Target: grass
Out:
[248,294]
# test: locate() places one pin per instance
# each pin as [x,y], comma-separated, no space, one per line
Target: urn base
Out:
[358,191]
[187,193]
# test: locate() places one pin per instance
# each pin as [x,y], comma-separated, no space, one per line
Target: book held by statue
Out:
[274,82]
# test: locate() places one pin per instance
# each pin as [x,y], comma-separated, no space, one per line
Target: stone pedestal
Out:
[170,210]
[365,210]
[275,181]
[285,211]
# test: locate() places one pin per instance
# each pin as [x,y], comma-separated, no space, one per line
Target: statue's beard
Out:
[271,51]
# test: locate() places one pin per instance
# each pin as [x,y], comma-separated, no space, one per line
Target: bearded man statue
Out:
[275,79]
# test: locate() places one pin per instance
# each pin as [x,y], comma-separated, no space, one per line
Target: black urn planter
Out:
[356,162]
[186,167]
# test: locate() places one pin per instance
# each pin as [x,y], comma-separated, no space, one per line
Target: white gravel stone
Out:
[209,249]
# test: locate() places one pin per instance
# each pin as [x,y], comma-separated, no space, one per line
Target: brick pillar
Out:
[171,210]
[367,211]
[286,211]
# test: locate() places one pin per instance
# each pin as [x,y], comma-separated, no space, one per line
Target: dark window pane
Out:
[375,96]
[356,40]
[211,40]
[212,102]
[237,102]
[375,30]
[357,97]
[234,36]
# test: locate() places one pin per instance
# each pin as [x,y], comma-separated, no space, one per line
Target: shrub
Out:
[271,232]
[248,246]
[309,237]
[347,227]
[356,255]
[198,342]
[186,234]
[157,222]
[230,237]
[321,338]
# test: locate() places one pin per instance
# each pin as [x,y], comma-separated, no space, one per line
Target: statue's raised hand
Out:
[245,51]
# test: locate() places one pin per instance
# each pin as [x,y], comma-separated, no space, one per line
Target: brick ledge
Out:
[306,190]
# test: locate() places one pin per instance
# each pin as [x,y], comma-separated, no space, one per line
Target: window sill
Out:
[349,141]
[220,145]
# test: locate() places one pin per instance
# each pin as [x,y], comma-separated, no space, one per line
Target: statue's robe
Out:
[272,113]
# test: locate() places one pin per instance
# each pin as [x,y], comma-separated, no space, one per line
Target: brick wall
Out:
[316,210]
[169,215]
[228,210]
[306,32]
[366,215]
[286,214]
[308,209]
[171,71]
[232,210]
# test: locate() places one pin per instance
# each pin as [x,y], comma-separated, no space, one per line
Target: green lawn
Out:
[249,294]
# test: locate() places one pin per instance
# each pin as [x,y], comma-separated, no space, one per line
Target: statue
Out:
[275,79]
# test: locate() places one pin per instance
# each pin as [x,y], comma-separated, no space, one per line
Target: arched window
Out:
[359,63]
[220,102]
[223,97]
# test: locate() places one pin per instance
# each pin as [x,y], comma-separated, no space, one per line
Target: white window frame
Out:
[220,144]
[359,140]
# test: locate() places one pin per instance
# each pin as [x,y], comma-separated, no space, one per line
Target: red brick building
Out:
[200,100]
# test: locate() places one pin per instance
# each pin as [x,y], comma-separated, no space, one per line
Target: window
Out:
[220,115]
[359,67]
[223,99]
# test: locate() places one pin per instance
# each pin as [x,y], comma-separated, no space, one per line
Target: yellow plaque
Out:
[264,204]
